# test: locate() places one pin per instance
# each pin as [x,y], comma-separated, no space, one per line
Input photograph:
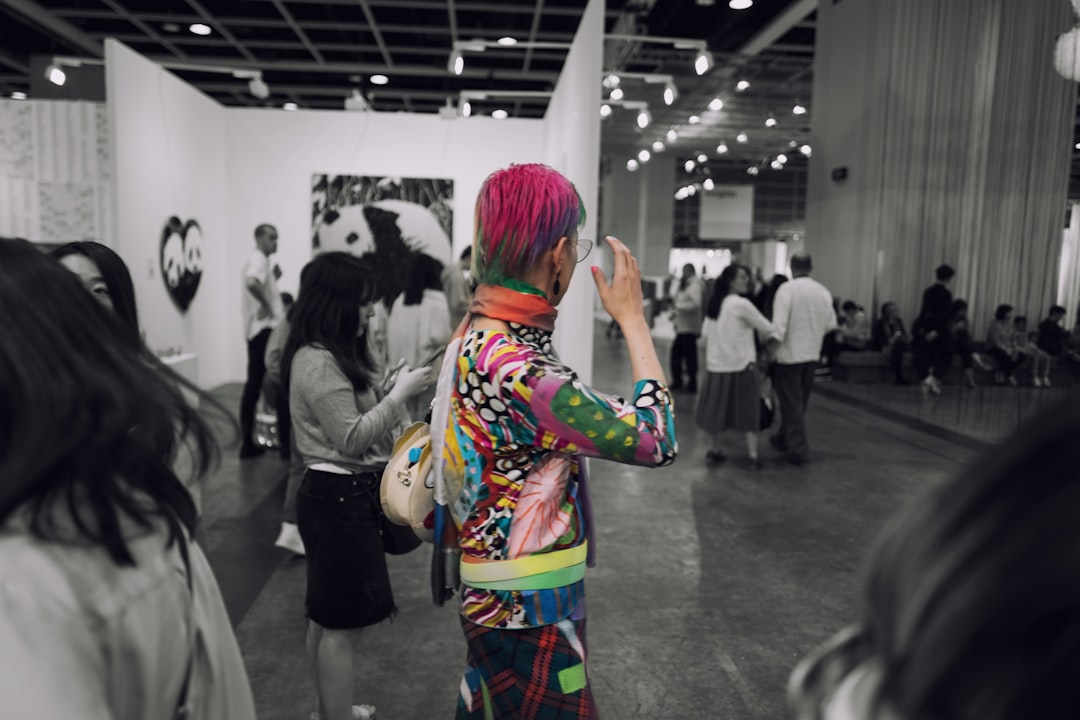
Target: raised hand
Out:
[622,298]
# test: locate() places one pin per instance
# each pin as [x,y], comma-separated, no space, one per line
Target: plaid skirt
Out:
[533,674]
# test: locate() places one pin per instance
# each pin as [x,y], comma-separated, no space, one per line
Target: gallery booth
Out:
[177,183]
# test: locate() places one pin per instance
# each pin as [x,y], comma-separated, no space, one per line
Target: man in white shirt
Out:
[262,311]
[803,314]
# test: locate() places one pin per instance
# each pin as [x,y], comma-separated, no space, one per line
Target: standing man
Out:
[689,299]
[803,314]
[262,312]
[932,351]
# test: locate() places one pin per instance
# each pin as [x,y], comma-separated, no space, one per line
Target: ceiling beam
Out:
[779,27]
[351,68]
[123,12]
[209,20]
[57,26]
[451,13]
[370,17]
[13,63]
[284,12]
[539,10]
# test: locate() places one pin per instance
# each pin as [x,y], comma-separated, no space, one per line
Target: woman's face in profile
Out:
[90,276]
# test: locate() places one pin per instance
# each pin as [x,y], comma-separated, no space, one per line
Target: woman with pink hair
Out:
[513,426]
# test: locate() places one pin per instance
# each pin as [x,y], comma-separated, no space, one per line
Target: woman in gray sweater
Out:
[345,418]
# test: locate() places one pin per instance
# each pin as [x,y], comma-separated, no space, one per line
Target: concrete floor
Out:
[711,583]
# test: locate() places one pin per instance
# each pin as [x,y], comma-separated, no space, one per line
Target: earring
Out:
[558,286]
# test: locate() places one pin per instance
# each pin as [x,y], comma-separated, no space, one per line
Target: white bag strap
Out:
[440,417]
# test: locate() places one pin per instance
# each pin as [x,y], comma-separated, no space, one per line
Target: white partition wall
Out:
[169,160]
[572,146]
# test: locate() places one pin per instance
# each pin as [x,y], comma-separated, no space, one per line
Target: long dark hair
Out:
[115,274]
[721,289]
[973,593]
[333,286]
[90,422]
[425,273]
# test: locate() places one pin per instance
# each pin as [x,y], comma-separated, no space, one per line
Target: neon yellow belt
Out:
[533,572]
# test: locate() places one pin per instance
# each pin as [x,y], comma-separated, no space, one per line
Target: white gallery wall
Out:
[177,152]
[572,146]
[169,160]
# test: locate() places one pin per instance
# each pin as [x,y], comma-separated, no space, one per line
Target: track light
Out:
[611,81]
[688,166]
[671,93]
[741,137]
[632,165]
[658,146]
[456,63]
[258,88]
[806,150]
[799,109]
[617,94]
[716,104]
[55,75]
[644,156]
[770,121]
[18,95]
[742,85]
[644,118]
[605,111]
[777,165]
[500,114]
[466,109]
[752,170]
[290,106]
[708,184]
[702,158]
[672,136]
[781,158]
[704,62]
[721,148]
[693,119]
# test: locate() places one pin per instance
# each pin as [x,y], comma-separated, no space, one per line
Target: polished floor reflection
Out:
[711,584]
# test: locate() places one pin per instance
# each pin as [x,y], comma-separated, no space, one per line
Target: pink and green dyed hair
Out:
[521,213]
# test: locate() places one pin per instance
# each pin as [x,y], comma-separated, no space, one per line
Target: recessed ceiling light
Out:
[379,79]
[770,122]
[702,158]
[743,85]
[798,109]
[18,95]
[644,156]
[290,106]
[741,137]
[500,114]
[716,104]
[632,165]
[740,4]
[672,136]
[721,148]
[658,146]
[507,40]
[693,120]
[199,28]
[170,27]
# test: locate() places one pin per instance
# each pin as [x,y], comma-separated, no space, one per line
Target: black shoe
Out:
[250,451]
[715,458]
[691,388]
[778,443]
[795,459]
[753,464]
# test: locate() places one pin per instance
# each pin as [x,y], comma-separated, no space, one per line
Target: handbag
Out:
[396,539]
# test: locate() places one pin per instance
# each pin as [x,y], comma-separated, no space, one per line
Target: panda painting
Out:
[181,260]
[383,220]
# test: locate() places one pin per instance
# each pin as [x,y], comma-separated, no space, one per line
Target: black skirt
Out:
[730,401]
[348,585]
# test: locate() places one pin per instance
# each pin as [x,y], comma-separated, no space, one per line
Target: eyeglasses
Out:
[584,247]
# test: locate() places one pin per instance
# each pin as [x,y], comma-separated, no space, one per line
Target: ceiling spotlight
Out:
[55,75]
[671,93]
[781,158]
[702,158]
[290,106]
[689,166]
[643,119]
[740,4]
[18,95]
[611,81]
[632,165]
[798,109]
[258,88]
[752,170]
[605,110]
[456,63]
[693,120]
[199,28]
[793,144]
[672,136]
[617,94]
[741,137]
[770,121]
[777,165]
[721,148]
[466,109]
[704,62]
[742,85]
[500,114]
[691,189]
[379,79]
[716,104]
[170,27]
[644,156]
[806,150]
[708,184]
[658,146]
[507,41]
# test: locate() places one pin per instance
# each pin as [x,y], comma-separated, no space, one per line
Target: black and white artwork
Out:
[181,260]
[384,219]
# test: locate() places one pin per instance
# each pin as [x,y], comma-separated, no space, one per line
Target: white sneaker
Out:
[289,539]
[359,712]
[1046,382]
[1036,382]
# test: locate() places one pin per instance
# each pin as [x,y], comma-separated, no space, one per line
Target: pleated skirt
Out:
[729,401]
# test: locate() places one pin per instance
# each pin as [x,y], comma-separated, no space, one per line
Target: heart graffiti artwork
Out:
[181,260]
